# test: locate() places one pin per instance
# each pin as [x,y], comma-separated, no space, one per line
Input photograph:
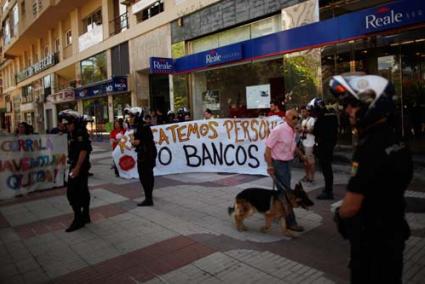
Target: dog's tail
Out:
[230,210]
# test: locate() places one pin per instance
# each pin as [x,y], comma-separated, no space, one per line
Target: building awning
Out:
[118,84]
[347,27]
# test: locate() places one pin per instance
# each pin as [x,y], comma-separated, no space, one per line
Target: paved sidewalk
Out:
[187,237]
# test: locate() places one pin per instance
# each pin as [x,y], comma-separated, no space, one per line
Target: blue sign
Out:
[116,84]
[161,65]
[343,28]
[222,55]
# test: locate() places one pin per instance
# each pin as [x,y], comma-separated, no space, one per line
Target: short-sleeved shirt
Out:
[308,124]
[79,140]
[381,172]
[282,142]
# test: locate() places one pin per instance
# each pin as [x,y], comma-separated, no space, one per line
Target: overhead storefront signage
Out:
[43,64]
[66,95]
[161,65]
[223,54]
[343,28]
[116,84]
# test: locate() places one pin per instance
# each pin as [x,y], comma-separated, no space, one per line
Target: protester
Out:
[146,153]
[372,214]
[148,119]
[307,141]
[115,136]
[280,150]
[22,129]
[325,132]
[59,129]
[275,109]
[160,117]
[208,114]
[79,149]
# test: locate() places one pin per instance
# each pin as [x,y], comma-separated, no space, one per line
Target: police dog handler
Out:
[372,214]
[146,152]
[79,148]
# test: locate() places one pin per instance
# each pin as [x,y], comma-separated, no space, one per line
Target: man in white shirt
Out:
[307,140]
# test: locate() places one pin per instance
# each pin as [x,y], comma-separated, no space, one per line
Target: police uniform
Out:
[325,132]
[77,190]
[381,172]
[146,160]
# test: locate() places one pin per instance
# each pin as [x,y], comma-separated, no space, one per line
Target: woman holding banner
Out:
[115,137]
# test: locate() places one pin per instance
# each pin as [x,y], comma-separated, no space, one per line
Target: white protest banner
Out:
[215,145]
[31,162]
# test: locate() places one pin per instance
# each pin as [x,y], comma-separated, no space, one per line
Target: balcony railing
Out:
[119,24]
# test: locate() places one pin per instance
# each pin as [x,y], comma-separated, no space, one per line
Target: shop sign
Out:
[66,95]
[140,5]
[43,64]
[346,27]
[27,107]
[161,65]
[223,55]
[116,84]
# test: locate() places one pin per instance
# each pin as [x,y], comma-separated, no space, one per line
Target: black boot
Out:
[86,215]
[325,195]
[146,202]
[77,223]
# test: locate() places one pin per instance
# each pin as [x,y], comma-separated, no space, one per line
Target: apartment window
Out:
[150,11]
[95,19]
[23,8]
[68,38]
[15,20]
[57,45]
[27,94]
[47,85]
[93,69]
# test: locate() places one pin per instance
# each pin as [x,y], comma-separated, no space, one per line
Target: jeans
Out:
[282,171]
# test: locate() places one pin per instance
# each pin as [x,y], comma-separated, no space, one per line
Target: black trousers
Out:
[146,178]
[325,157]
[78,190]
[377,261]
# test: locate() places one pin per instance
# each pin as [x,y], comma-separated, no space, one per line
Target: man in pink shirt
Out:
[281,148]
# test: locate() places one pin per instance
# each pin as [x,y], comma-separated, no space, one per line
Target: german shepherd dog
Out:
[267,202]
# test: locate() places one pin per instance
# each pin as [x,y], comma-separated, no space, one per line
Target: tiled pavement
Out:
[187,237]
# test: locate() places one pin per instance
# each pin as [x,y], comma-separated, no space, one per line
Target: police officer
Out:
[146,153]
[79,148]
[325,132]
[372,214]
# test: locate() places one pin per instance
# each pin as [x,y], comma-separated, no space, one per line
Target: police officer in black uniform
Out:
[146,153]
[325,132]
[372,215]
[79,148]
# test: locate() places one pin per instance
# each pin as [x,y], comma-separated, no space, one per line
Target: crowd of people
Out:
[381,169]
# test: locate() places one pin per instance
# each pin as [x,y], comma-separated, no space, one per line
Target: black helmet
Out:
[372,94]
[70,116]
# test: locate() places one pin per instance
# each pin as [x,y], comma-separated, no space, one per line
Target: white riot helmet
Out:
[373,94]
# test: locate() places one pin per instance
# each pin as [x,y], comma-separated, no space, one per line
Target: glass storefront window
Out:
[178,49]
[97,109]
[212,89]
[302,77]
[181,91]
[119,103]
[94,69]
